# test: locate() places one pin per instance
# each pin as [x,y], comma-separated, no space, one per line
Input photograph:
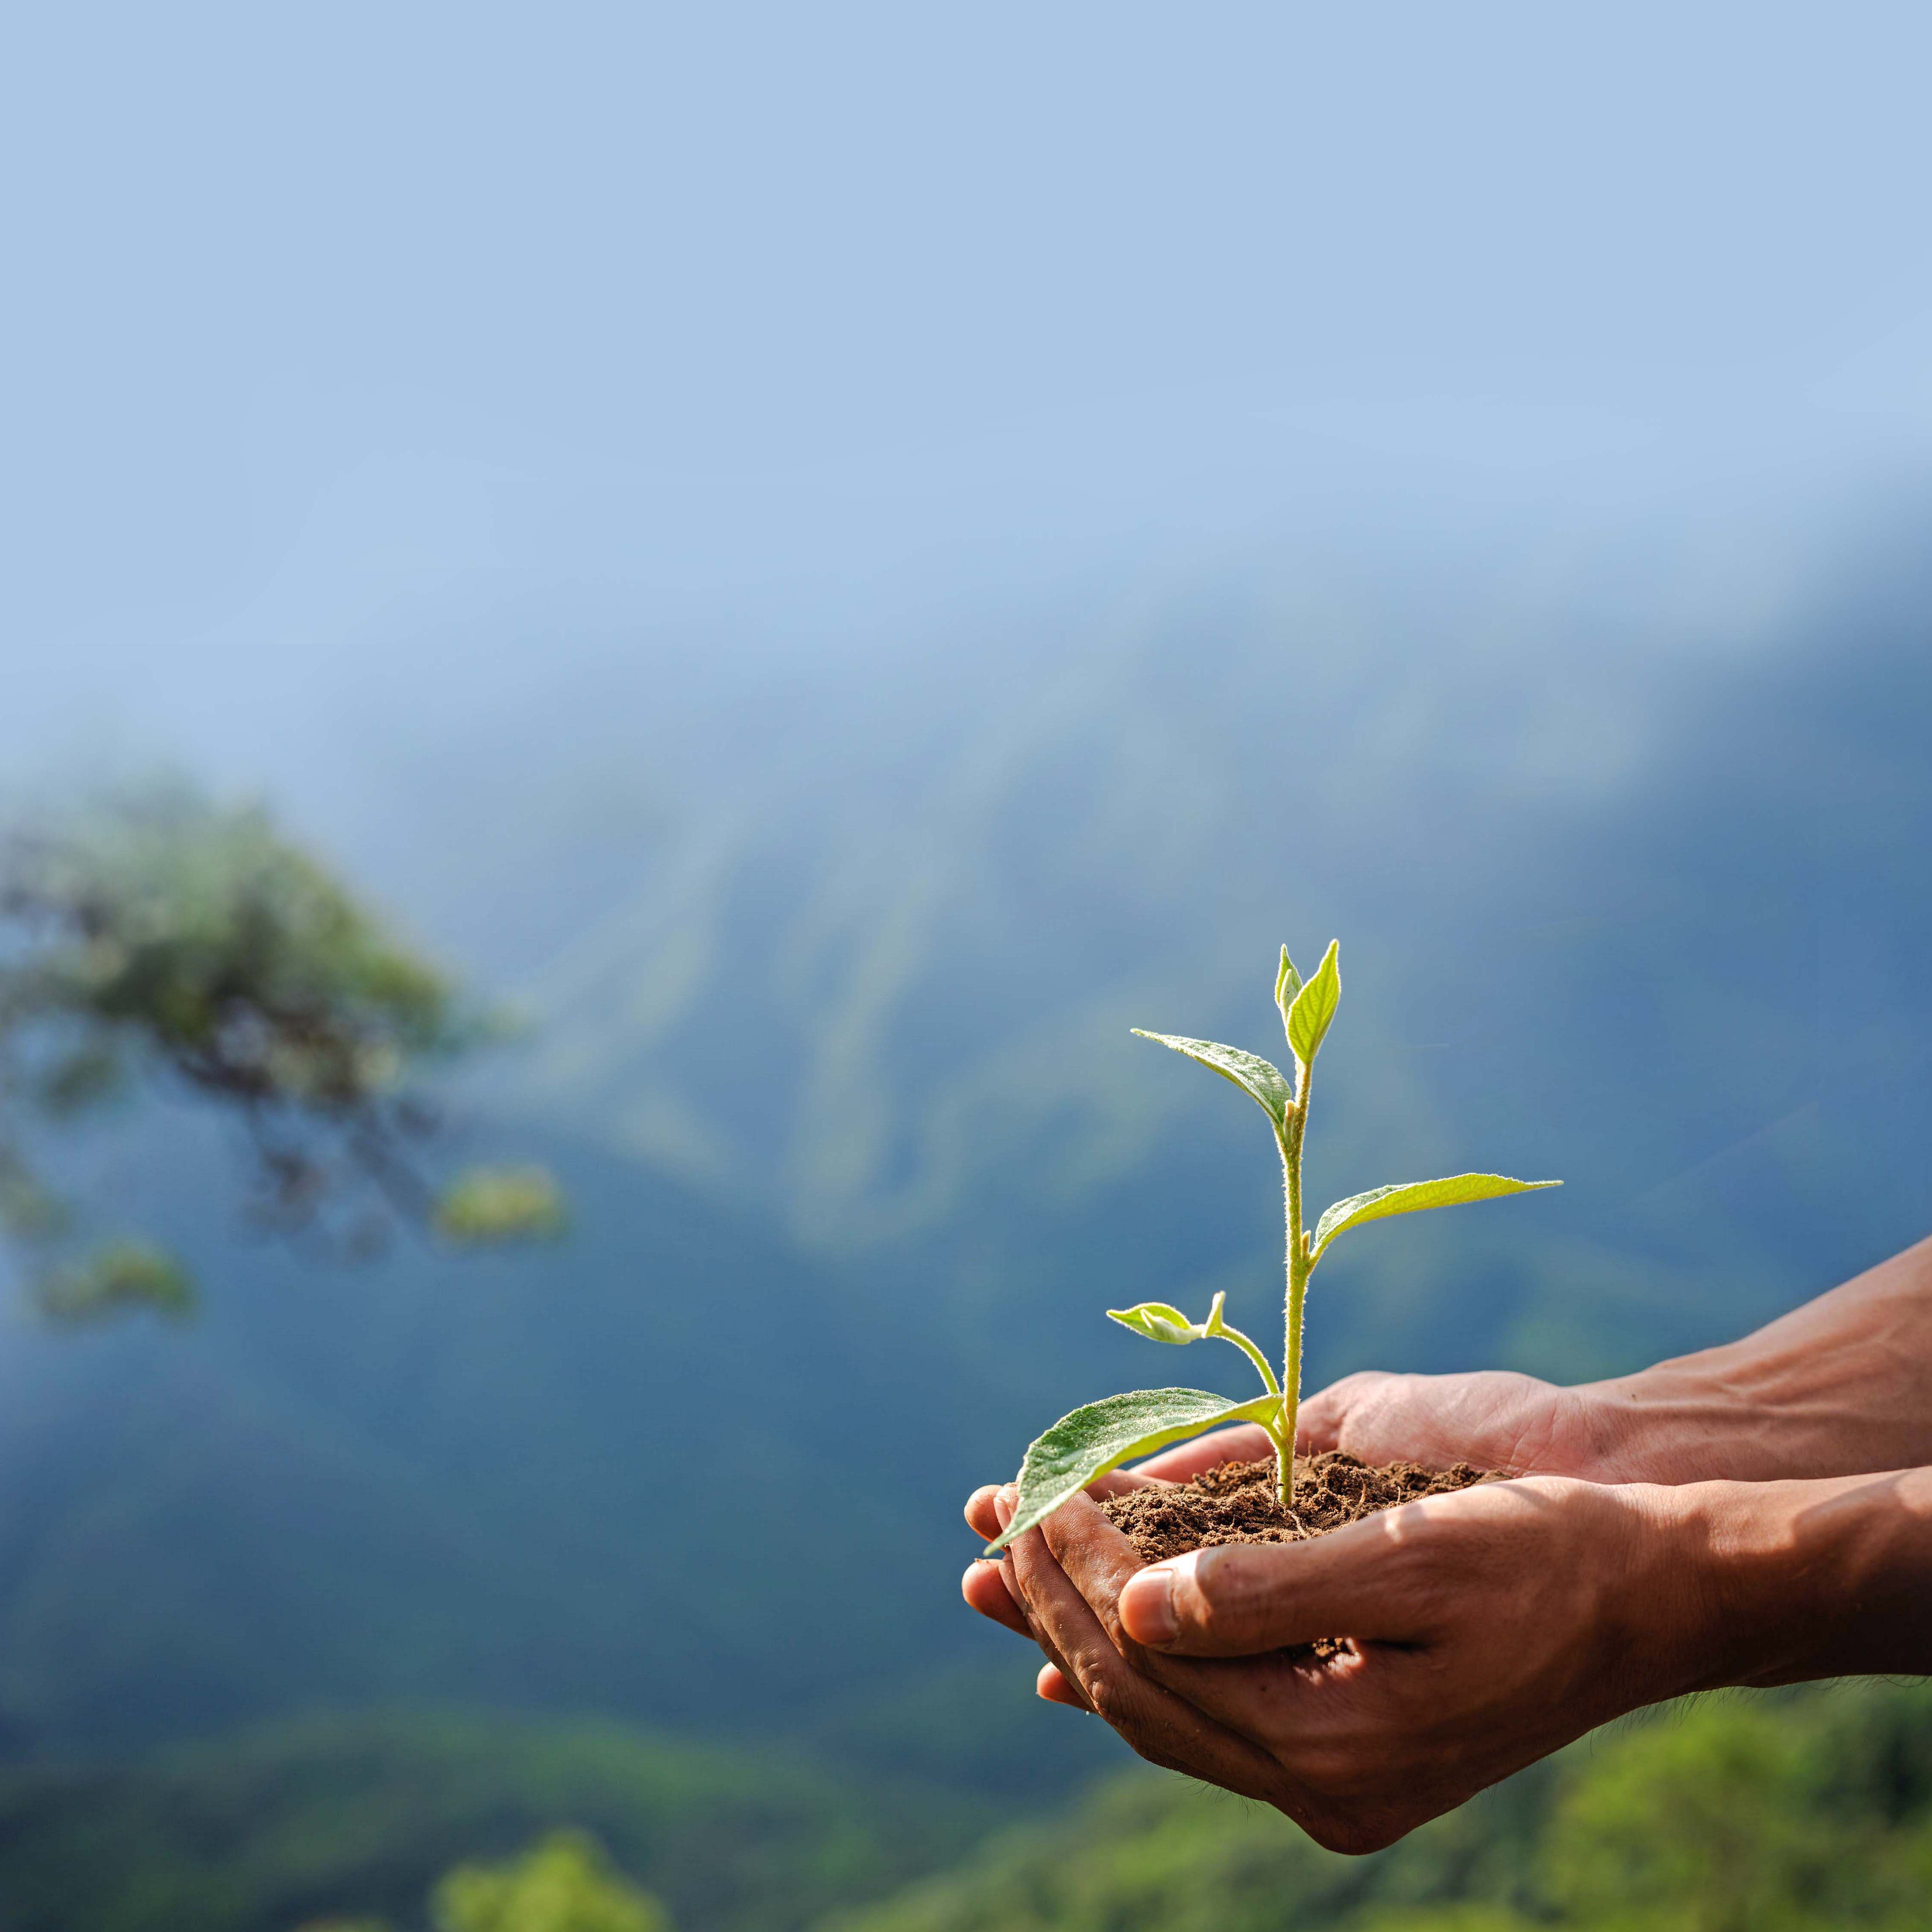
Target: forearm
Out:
[1838,1387]
[1785,1582]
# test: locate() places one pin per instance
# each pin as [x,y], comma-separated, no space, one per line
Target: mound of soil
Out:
[1237,1502]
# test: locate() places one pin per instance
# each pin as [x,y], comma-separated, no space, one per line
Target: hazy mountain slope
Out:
[637,1470]
[1627,847]
[1631,870]
[1804,1810]
[264,1832]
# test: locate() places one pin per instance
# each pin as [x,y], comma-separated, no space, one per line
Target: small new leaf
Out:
[1159,1321]
[1081,1447]
[1287,984]
[1313,1010]
[1410,1197]
[1256,1077]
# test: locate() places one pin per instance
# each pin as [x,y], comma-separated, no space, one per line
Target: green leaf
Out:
[1159,1321]
[117,1278]
[1255,1076]
[1314,1008]
[1287,984]
[1410,1197]
[1081,1447]
[502,1204]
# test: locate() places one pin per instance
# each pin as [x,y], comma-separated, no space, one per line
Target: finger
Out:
[1005,1502]
[1275,1698]
[1164,1728]
[985,1590]
[1249,1442]
[984,1587]
[1056,1687]
[981,1517]
[1243,1599]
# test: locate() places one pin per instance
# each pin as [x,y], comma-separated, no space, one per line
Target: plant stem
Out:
[1290,1141]
[1254,1354]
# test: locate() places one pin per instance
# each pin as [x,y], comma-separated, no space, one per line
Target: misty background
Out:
[835,562]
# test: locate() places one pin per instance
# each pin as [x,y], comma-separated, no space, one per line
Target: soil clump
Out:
[1237,1502]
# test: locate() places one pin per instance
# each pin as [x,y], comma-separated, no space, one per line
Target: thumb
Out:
[1243,1598]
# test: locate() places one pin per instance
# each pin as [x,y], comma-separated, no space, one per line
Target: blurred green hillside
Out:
[1759,1814]
[358,1817]
[1626,854]
[828,1046]
[1805,1812]
[829,967]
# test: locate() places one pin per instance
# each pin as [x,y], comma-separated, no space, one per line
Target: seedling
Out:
[1081,1447]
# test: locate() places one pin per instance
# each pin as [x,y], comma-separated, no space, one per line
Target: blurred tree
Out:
[564,1884]
[1465,1917]
[157,933]
[1723,1820]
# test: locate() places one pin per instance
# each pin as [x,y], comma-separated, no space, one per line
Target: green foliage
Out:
[1260,1079]
[502,1204]
[1780,1812]
[195,932]
[1313,1010]
[1287,984]
[1159,1321]
[564,1884]
[1411,1197]
[112,1279]
[357,1820]
[1787,1813]
[159,934]
[1729,1821]
[1083,1446]
[1159,1854]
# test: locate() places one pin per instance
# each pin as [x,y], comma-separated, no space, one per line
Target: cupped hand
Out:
[1495,1420]
[984,1586]
[1486,1628]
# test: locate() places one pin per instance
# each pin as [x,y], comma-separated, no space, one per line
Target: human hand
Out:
[1835,1387]
[1488,1627]
[1494,1419]
[1509,1423]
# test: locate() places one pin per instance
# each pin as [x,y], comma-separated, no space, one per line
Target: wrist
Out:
[1735,1414]
[1666,1424]
[1780,1582]
[1835,1387]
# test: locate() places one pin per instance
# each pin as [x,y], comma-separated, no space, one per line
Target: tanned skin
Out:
[1755,1514]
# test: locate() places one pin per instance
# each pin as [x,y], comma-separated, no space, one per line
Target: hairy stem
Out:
[1253,1354]
[1298,1267]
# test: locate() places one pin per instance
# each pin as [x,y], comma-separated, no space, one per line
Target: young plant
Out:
[1081,1447]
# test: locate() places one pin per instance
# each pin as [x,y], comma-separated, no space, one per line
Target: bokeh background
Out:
[831,561]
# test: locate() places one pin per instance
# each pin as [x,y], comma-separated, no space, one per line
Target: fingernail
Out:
[1005,1503]
[1147,1606]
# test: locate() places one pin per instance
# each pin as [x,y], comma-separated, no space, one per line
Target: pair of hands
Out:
[1489,1626]
[1466,1610]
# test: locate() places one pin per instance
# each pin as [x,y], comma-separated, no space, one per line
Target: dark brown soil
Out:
[1237,1502]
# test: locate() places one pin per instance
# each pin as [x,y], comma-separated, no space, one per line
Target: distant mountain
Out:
[347,1819]
[1631,855]
[1740,1807]
[666,1468]
[1630,850]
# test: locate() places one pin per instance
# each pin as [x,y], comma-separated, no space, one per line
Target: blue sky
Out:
[313,312]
